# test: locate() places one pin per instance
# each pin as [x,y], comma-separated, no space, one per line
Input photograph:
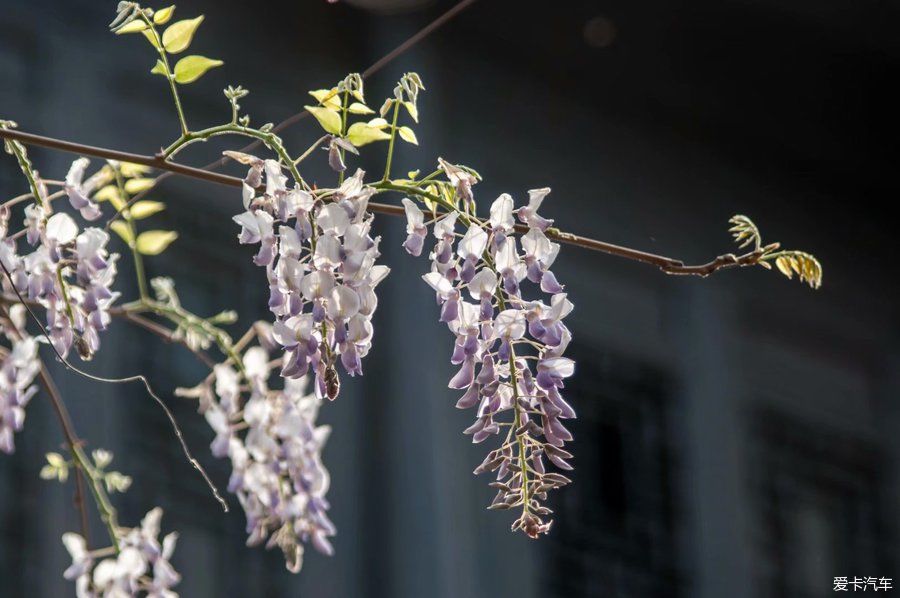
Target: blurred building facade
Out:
[736,435]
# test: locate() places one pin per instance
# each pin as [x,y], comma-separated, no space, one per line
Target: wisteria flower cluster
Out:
[140,567]
[498,334]
[70,271]
[18,369]
[320,263]
[274,445]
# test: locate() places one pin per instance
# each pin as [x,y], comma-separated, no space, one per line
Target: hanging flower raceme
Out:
[509,349]
[320,263]
[18,368]
[274,445]
[70,274]
[140,566]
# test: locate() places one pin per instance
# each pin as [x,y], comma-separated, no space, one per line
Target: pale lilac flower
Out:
[462,180]
[528,214]
[502,214]
[415,228]
[79,190]
[18,368]
[35,222]
[540,253]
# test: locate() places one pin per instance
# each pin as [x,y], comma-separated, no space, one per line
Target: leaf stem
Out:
[272,141]
[132,245]
[170,76]
[390,154]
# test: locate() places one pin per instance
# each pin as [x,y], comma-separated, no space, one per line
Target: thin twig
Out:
[666,264]
[72,441]
[138,378]
[164,333]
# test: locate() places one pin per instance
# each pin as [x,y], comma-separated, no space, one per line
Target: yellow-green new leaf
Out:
[327,97]
[191,68]
[159,68]
[55,459]
[145,209]
[362,133]
[413,110]
[177,36]
[162,16]
[131,170]
[137,185]
[151,37]
[154,242]
[359,108]
[107,193]
[121,229]
[327,117]
[408,135]
[132,27]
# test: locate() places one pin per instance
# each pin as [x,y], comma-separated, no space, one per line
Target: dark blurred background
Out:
[737,435]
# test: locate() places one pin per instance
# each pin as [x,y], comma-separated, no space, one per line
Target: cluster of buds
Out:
[139,565]
[18,368]
[509,349]
[274,445]
[320,263]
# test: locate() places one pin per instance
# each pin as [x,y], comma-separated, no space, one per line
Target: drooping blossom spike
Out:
[320,261]
[508,350]
[70,274]
[274,445]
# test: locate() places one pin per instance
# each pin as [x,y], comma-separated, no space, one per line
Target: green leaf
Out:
[154,242]
[327,97]
[48,472]
[359,108]
[360,134]
[408,135]
[55,459]
[132,27]
[131,170]
[378,123]
[133,186]
[106,193]
[191,68]
[413,110]
[151,37]
[145,209]
[159,68]
[177,37]
[121,229]
[327,117]
[162,16]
